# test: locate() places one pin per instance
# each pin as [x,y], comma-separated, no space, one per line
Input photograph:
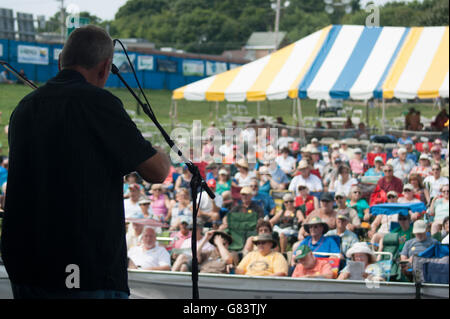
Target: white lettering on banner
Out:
[1,50]
[32,54]
[145,62]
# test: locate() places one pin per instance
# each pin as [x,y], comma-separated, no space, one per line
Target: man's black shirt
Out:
[71,143]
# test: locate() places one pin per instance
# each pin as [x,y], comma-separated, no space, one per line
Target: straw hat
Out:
[303,164]
[242,163]
[361,248]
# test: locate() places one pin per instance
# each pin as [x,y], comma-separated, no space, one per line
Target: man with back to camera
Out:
[73,137]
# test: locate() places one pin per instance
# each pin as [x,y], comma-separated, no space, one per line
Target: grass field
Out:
[188,111]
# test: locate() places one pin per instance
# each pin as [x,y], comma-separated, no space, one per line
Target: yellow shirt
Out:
[255,264]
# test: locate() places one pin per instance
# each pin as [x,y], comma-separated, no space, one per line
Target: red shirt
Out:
[309,203]
[395,185]
[322,267]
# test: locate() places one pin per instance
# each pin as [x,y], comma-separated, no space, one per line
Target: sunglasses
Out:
[391,196]
[146,204]
[445,191]
[387,170]
[260,243]
[402,218]
[289,201]
[356,192]
[435,169]
[325,201]
[300,188]
[314,226]
[406,190]
[339,197]
[253,186]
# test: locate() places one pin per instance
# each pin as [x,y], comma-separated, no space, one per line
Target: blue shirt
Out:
[265,202]
[324,245]
[265,189]
[3,175]
[279,176]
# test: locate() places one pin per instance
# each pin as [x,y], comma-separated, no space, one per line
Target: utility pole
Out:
[63,20]
[277,23]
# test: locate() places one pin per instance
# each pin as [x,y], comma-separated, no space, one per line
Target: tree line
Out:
[213,26]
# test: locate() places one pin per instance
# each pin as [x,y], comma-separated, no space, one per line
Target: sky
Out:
[104,9]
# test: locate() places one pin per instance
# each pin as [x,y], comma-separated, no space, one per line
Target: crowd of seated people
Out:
[303,211]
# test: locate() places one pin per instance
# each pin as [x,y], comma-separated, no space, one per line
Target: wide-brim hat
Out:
[265,237]
[316,221]
[303,164]
[227,237]
[242,163]
[361,248]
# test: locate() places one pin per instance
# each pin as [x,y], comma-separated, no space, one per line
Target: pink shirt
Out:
[179,239]
[357,166]
[159,205]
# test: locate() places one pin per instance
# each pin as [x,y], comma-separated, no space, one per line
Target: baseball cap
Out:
[302,252]
[345,216]
[408,186]
[314,140]
[424,157]
[326,197]
[223,171]
[420,226]
[378,159]
[402,150]
[357,150]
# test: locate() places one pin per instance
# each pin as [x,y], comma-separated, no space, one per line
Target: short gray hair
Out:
[86,47]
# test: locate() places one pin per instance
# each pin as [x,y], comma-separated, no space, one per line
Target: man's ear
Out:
[104,68]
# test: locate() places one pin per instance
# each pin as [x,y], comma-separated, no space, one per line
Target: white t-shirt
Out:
[313,183]
[206,203]
[207,247]
[132,210]
[337,186]
[286,164]
[434,185]
[284,141]
[155,257]
[244,181]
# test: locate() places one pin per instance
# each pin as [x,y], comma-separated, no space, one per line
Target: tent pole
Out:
[217,110]
[294,115]
[383,128]
[299,111]
[300,121]
[258,109]
[172,102]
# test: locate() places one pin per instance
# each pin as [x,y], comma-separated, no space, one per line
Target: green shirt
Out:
[220,188]
[403,236]
[360,207]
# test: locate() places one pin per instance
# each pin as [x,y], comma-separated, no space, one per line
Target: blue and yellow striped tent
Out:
[339,61]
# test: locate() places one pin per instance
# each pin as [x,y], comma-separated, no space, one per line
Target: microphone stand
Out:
[9,67]
[197,183]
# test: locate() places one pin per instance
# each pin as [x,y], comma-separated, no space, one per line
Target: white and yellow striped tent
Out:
[338,61]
